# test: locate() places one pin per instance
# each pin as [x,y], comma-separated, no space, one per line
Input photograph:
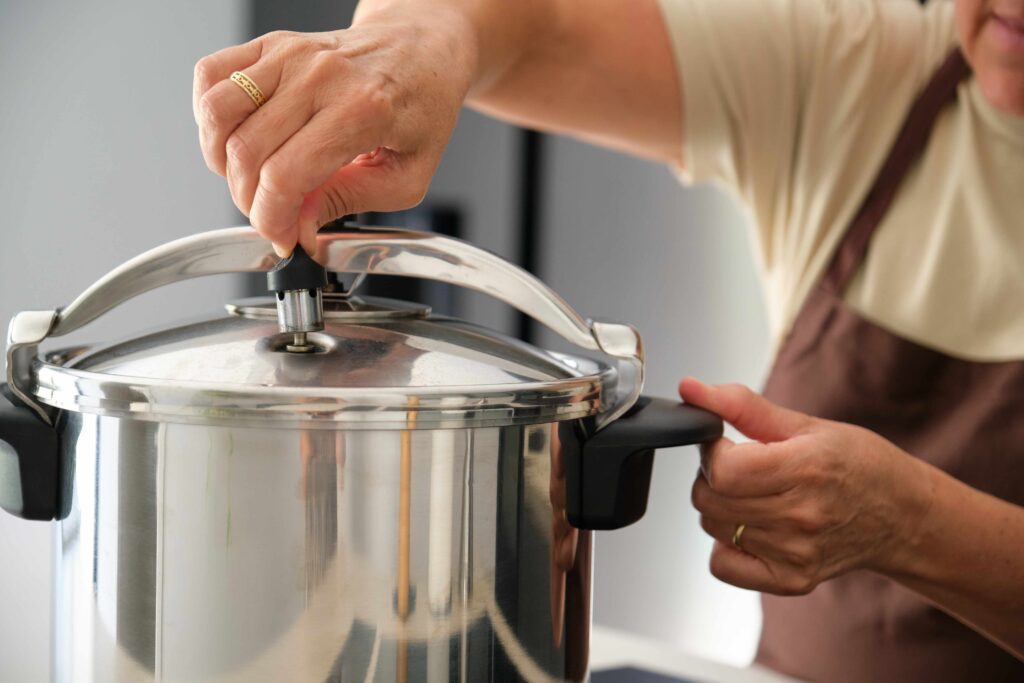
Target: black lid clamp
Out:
[298,283]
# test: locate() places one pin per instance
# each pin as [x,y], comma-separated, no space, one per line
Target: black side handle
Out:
[608,473]
[29,462]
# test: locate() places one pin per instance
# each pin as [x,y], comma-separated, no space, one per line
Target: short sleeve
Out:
[792,105]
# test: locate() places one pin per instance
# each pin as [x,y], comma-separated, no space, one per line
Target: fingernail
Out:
[281,252]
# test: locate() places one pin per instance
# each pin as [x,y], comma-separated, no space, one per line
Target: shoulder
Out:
[743,61]
[903,25]
[793,104]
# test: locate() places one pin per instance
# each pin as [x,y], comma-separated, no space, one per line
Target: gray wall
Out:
[100,162]
[623,241]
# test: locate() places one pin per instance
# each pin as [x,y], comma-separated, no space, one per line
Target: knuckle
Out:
[240,155]
[276,178]
[379,102]
[325,65]
[721,477]
[280,37]
[707,524]
[210,110]
[797,583]
[801,557]
[718,564]
[699,496]
[811,472]
[210,162]
[808,519]
[288,49]
[203,71]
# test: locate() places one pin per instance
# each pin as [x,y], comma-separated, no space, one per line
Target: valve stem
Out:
[298,282]
[300,344]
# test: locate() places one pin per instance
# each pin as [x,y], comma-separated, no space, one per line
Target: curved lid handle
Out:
[386,251]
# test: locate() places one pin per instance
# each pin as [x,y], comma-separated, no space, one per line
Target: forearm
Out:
[599,70]
[967,556]
[496,34]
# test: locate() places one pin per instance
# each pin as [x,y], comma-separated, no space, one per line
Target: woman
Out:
[880,148]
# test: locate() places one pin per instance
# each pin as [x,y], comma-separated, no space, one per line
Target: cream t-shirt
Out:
[793,105]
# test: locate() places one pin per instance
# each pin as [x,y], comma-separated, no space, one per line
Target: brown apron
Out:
[966,418]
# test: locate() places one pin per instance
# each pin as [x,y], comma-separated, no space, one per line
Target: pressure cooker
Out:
[320,486]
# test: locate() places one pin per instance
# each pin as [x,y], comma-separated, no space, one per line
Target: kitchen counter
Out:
[612,650]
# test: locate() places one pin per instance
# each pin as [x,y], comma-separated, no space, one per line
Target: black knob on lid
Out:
[297,271]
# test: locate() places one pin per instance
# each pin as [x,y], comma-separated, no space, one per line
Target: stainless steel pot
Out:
[389,498]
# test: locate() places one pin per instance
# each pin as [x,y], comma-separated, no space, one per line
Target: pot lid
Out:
[377,364]
[370,365]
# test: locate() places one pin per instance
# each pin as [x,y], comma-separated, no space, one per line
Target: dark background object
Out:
[632,675]
[531,197]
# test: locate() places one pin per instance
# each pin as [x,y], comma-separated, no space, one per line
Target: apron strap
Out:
[909,144]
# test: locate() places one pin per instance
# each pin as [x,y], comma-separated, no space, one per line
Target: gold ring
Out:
[250,88]
[737,536]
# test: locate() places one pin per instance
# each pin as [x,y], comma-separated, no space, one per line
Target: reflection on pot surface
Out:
[229,554]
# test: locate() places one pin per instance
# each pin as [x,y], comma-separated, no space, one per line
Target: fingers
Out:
[754,540]
[214,68]
[749,469]
[739,568]
[384,182]
[381,181]
[789,561]
[753,415]
[256,139]
[225,106]
[709,502]
[760,562]
[301,165]
[342,131]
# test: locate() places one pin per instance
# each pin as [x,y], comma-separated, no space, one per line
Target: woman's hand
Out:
[818,498]
[355,120]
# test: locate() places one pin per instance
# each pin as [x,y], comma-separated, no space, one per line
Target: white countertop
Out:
[612,649]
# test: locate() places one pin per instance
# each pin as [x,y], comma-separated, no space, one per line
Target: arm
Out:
[829,498]
[968,558]
[357,120]
[600,70]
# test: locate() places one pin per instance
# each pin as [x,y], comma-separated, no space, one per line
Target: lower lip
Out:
[1008,36]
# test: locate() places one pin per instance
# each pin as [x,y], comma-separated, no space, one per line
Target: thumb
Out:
[381,181]
[752,414]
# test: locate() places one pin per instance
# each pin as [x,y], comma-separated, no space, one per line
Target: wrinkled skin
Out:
[354,120]
[819,498]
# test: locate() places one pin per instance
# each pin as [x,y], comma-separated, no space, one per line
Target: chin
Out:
[1004,91]
[992,39]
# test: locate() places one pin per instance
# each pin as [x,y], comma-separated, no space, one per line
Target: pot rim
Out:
[377,408]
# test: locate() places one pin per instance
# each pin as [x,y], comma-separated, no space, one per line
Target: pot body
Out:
[212,552]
